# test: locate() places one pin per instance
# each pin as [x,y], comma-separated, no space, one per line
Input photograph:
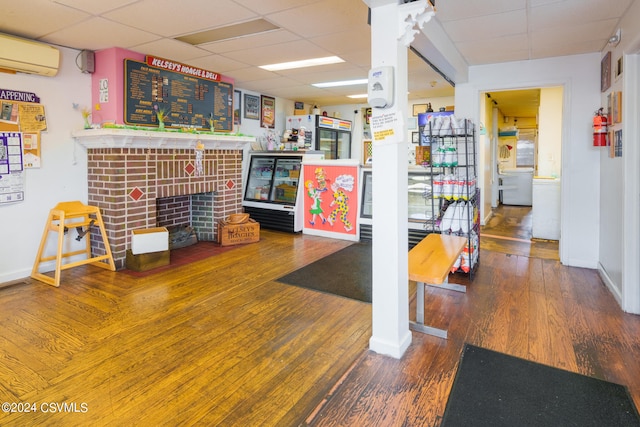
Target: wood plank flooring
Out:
[527,307]
[217,342]
[221,342]
[509,231]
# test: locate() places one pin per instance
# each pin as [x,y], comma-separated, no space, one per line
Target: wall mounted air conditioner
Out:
[28,56]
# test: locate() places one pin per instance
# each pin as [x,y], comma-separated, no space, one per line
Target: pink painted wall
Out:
[109,65]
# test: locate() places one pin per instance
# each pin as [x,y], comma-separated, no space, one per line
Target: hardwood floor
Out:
[509,231]
[221,342]
[527,307]
[217,342]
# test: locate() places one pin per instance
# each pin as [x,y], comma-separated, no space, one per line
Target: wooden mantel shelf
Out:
[129,138]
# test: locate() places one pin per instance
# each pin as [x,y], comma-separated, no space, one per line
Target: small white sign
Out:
[387,128]
[104,91]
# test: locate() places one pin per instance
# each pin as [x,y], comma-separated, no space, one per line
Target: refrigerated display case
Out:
[328,134]
[419,211]
[271,193]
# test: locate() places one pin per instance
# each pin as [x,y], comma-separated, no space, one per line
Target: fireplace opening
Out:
[189,218]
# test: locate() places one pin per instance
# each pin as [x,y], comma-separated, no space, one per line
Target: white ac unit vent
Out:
[28,56]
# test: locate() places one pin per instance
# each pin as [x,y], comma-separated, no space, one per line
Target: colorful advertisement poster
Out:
[331,199]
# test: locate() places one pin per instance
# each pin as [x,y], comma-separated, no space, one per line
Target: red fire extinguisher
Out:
[599,129]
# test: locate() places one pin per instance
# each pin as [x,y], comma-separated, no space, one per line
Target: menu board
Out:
[185,100]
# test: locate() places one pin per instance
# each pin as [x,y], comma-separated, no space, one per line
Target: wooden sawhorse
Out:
[430,263]
[61,218]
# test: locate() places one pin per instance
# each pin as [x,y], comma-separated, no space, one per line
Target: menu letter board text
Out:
[185,100]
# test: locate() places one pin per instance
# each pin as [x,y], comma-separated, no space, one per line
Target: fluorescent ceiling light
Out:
[342,83]
[361,95]
[304,63]
[229,32]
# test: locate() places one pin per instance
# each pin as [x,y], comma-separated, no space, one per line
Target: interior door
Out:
[327,142]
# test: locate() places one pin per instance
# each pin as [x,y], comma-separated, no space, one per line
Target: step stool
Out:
[61,219]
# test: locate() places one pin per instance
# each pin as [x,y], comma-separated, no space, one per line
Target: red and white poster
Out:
[331,199]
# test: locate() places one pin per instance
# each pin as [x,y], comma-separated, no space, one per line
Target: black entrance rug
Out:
[346,273]
[494,389]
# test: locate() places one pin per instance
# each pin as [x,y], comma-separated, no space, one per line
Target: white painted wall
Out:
[620,177]
[550,132]
[579,75]
[63,175]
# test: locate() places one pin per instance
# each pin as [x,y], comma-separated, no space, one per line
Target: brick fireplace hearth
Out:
[128,170]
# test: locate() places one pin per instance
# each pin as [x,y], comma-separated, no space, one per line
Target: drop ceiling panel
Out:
[332,74]
[487,27]
[344,42]
[173,18]
[571,34]
[558,15]
[250,42]
[171,49]
[273,54]
[18,18]
[511,48]
[488,31]
[99,33]
[271,6]
[458,10]
[269,84]
[245,73]
[322,17]
[94,7]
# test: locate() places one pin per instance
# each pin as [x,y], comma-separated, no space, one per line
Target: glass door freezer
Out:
[272,193]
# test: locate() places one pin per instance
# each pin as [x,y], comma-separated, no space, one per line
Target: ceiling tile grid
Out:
[488,31]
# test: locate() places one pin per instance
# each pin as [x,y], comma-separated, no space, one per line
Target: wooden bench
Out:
[430,263]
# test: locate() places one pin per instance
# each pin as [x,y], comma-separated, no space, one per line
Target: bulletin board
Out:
[186,100]
[22,119]
[22,112]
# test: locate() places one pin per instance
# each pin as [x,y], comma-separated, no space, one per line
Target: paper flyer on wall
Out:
[22,112]
[387,128]
[11,168]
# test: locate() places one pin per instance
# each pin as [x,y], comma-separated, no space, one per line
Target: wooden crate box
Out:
[236,234]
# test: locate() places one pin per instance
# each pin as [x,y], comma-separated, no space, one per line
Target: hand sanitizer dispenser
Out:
[380,90]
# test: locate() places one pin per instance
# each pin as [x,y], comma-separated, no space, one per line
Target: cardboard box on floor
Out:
[238,233]
[149,249]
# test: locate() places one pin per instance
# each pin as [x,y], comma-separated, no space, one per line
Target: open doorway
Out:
[524,133]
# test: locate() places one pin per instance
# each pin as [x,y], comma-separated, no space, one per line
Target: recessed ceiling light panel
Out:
[302,64]
[341,83]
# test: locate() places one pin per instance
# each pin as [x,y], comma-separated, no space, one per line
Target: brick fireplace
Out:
[129,170]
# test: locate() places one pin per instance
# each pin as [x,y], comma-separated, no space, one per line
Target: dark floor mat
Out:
[495,389]
[346,273]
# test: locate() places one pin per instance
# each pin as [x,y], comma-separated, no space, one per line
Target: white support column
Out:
[391,334]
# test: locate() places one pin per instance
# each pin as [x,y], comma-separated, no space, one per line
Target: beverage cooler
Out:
[327,134]
[419,210]
[272,193]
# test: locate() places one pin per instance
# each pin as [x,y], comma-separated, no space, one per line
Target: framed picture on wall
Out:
[251,107]
[605,72]
[237,106]
[267,112]
[617,107]
[419,109]
[415,137]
